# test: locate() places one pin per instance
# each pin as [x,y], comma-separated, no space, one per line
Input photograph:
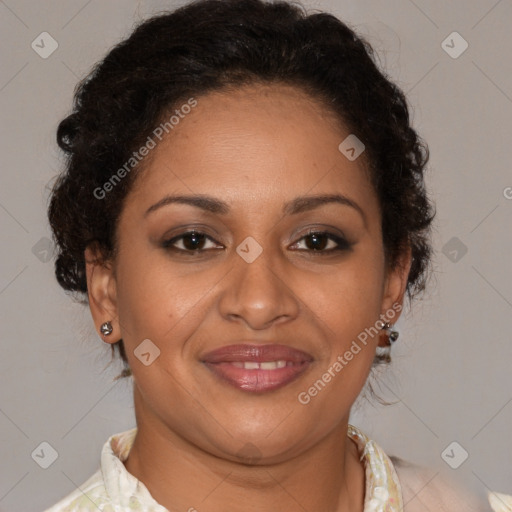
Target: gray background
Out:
[451,375]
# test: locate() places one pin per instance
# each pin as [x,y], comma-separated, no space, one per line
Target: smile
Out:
[257,368]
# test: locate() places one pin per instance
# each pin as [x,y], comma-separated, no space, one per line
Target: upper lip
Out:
[258,353]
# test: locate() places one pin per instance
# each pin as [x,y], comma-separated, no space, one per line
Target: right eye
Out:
[191,242]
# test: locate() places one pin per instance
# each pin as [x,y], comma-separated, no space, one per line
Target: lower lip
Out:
[257,380]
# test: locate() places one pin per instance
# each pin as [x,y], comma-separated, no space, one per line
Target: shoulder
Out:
[87,497]
[425,489]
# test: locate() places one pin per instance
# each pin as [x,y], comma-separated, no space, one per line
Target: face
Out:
[266,264]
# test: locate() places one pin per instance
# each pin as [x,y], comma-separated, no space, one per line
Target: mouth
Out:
[257,368]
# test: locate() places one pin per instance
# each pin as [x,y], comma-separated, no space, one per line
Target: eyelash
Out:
[342,244]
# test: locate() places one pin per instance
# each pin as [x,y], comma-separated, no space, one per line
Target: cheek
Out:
[157,301]
[146,298]
[349,298]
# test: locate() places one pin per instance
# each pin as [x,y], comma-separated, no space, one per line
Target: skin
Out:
[255,148]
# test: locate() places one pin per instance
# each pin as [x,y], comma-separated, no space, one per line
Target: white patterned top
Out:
[113,489]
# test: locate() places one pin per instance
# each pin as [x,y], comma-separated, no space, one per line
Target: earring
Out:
[393,335]
[383,354]
[106,328]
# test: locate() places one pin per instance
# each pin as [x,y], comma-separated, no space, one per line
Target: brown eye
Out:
[324,242]
[191,241]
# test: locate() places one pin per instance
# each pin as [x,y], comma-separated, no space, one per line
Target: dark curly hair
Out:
[211,45]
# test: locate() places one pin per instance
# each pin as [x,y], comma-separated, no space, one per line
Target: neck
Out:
[182,476]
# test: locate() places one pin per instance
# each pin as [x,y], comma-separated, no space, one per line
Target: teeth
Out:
[268,365]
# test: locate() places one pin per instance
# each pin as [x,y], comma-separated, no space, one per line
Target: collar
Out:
[123,488]
[383,491]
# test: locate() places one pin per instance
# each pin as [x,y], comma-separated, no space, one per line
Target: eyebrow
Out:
[298,205]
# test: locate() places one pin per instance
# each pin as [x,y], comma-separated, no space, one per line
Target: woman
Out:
[244,208]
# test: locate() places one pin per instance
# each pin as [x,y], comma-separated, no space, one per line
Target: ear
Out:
[395,286]
[102,291]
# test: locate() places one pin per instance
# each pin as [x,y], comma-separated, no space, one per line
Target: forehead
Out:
[257,142]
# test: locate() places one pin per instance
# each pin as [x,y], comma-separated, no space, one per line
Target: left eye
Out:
[318,241]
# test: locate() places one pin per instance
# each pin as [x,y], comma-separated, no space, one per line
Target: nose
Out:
[258,294]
